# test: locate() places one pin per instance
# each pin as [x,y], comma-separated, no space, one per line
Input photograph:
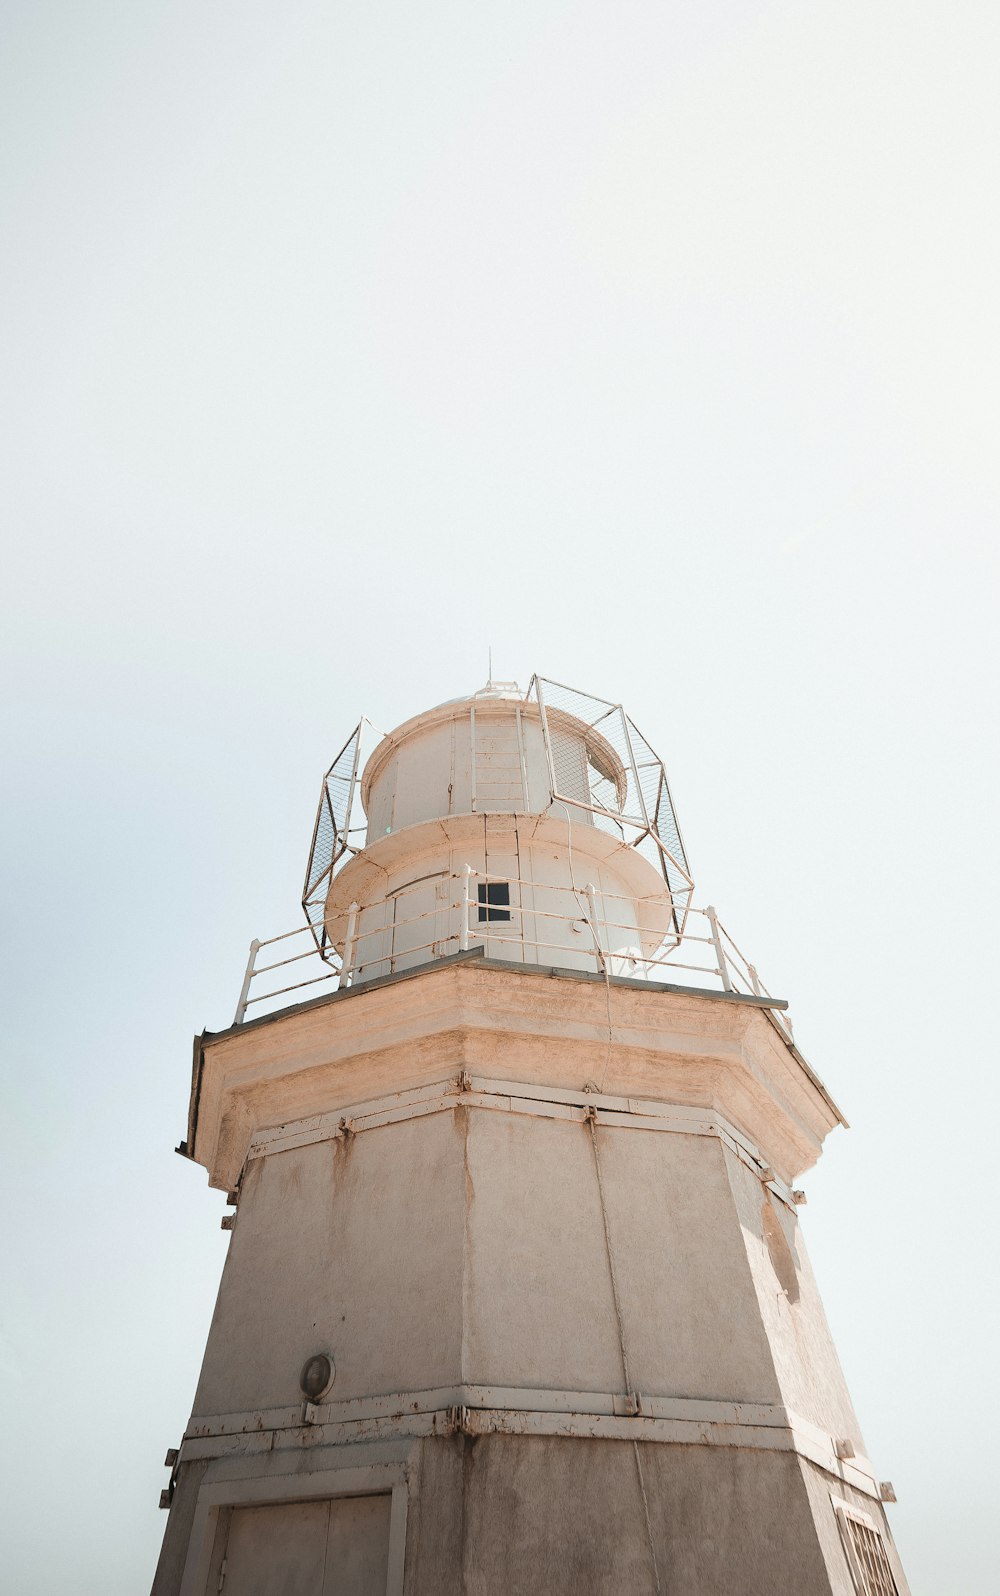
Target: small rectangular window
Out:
[866,1553]
[494,900]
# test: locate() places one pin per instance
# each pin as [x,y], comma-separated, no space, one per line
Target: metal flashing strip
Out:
[486,1410]
[562,972]
[517,1097]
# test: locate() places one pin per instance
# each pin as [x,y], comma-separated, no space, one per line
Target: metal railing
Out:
[598,762]
[582,928]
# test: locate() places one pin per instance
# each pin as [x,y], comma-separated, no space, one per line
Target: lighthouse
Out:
[517,1298]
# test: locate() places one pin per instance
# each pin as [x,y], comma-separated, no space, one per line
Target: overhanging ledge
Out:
[364,1030]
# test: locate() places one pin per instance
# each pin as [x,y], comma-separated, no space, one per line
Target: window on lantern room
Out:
[494,900]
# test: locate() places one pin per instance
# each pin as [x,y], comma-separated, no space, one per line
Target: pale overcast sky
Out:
[655,344]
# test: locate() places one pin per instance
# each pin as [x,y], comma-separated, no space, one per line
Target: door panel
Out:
[357,1562]
[328,1548]
[277,1551]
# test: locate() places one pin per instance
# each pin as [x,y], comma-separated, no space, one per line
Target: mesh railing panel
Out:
[340,781]
[607,723]
[628,790]
[330,832]
[656,796]
[611,771]
[324,844]
[568,767]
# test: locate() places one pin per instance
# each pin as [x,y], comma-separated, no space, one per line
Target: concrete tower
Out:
[516,1299]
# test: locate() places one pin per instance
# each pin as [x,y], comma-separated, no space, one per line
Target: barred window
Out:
[866,1553]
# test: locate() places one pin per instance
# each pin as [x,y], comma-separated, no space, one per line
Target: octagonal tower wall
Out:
[540,1230]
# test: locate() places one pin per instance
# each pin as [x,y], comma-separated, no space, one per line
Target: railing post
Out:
[241,1006]
[754,979]
[591,894]
[463,929]
[348,959]
[546,739]
[720,957]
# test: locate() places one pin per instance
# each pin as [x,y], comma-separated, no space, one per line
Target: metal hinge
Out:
[222,1574]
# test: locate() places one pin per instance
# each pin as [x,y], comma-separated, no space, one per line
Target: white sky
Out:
[654,343]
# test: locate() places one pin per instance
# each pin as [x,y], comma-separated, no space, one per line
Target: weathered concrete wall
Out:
[557,1516]
[469,1247]
[821,1490]
[790,1311]
[546,1516]
[350,1246]
[539,1304]
[454,1249]
[177,1534]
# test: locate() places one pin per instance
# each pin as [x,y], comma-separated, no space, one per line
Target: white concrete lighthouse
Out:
[516,1299]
